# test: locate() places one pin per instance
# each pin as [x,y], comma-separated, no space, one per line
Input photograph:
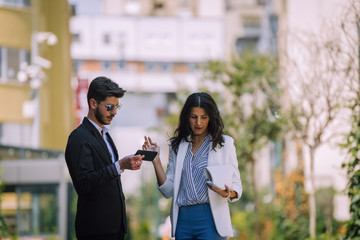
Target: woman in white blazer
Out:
[198,211]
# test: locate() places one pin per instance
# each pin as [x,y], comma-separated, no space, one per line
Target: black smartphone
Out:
[148,155]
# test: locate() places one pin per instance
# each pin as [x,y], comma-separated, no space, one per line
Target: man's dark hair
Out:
[103,87]
[215,126]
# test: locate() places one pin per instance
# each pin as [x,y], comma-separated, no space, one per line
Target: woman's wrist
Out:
[229,195]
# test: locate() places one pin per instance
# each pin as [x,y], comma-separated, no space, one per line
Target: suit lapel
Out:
[112,145]
[179,165]
[98,137]
[211,160]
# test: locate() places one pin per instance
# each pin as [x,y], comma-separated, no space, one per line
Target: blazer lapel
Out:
[179,166]
[98,137]
[113,145]
[211,157]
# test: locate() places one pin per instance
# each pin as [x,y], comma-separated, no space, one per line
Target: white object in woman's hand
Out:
[224,193]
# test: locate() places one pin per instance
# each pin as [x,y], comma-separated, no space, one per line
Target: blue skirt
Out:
[196,222]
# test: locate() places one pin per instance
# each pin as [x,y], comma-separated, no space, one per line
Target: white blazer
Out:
[219,205]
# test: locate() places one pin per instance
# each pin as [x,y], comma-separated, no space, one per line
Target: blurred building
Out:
[153,49]
[25,40]
[36,117]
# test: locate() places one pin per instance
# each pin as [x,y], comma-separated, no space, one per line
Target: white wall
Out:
[148,39]
[211,8]
[16,134]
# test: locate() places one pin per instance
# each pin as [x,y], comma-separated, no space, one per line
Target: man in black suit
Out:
[95,169]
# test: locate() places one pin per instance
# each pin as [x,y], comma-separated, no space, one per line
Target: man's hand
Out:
[131,162]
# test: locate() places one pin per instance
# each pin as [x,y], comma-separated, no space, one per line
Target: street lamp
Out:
[33,72]
[35,75]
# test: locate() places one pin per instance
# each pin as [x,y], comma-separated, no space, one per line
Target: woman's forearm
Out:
[159,171]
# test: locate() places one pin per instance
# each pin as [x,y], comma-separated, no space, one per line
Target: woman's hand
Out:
[227,193]
[151,146]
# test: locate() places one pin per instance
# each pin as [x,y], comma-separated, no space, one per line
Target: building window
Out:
[13,63]
[166,67]
[1,64]
[76,37]
[158,5]
[10,61]
[15,3]
[158,8]
[106,64]
[251,25]
[251,22]
[150,66]
[246,44]
[77,65]
[31,209]
[26,3]
[191,67]
[261,2]
[73,9]
[122,65]
[106,38]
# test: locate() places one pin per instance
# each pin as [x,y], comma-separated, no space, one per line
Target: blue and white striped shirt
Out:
[193,189]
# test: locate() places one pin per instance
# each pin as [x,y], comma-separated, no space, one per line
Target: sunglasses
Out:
[111,107]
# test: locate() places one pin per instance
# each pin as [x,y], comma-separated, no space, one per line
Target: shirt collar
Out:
[206,138]
[104,128]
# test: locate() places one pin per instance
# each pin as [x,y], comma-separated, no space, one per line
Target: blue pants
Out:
[196,222]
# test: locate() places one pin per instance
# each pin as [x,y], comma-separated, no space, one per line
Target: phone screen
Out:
[149,155]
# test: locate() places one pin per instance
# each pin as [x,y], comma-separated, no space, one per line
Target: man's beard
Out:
[99,117]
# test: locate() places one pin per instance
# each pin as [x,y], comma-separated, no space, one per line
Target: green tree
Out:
[291,208]
[3,226]
[248,89]
[319,76]
[349,23]
[353,172]
[315,96]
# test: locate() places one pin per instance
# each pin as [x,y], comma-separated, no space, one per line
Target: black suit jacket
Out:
[101,202]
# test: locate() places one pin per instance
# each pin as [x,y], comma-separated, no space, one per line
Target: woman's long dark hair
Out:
[215,126]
